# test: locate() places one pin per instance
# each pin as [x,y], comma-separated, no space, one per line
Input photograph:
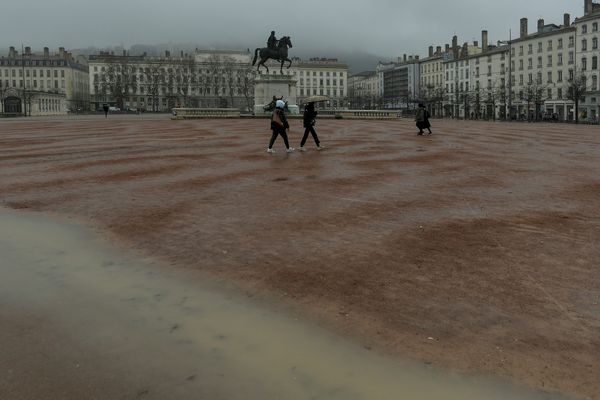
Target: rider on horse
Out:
[272,42]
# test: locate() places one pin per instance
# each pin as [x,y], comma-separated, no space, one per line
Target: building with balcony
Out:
[588,55]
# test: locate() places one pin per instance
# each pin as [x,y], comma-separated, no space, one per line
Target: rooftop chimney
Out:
[167,53]
[567,20]
[124,53]
[540,24]
[28,50]
[455,46]
[447,48]
[61,50]
[523,28]
[405,58]
[484,41]
[475,43]
[417,58]
[438,49]
[12,52]
[589,7]
[430,51]
[46,52]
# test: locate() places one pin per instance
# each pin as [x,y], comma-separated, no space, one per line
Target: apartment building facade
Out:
[43,84]
[208,79]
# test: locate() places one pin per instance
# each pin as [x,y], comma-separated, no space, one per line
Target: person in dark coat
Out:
[309,117]
[279,124]
[105,108]
[422,119]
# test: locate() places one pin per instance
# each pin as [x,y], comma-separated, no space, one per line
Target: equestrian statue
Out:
[275,50]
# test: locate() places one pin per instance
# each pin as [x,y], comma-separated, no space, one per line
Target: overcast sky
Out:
[383,27]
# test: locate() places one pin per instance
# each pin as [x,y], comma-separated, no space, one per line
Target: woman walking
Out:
[422,119]
[309,120]
[279,124]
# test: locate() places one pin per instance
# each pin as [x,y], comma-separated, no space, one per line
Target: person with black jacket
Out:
[422,119]
[279,124]
[309,120]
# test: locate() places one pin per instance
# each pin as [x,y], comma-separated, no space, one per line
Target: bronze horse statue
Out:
[279,54]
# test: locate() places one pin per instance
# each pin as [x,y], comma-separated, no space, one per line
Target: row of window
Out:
[584,28]
[321,82]
[30,63]
[464,86]
[321,91]
[34,84]
[164,71]
[13,72]
[584,44]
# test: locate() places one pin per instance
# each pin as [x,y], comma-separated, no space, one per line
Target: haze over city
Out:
[383,28]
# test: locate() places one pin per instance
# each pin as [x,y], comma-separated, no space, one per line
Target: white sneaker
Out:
[270,151]
[290,150]
[320,148]
[302,149]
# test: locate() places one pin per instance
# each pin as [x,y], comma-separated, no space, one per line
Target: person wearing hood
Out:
[279,124]
[309,120]
[422,119]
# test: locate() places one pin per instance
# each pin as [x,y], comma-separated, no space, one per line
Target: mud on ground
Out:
[476,248]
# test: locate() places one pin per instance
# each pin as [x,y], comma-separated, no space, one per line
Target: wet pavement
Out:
[82,320]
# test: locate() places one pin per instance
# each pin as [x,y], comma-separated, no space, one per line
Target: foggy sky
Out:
[386,28]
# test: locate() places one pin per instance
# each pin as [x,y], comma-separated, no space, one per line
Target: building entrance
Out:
[12,105]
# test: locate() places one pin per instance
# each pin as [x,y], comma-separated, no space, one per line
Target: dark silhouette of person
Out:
[272,41]
[422,119]
[105,108]
[279,125]
[309,120]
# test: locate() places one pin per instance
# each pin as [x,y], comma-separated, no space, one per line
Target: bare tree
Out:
[215,70]
[247,75]
[535,94]
[154,78]
[187,79]
[576,89]
[118,80]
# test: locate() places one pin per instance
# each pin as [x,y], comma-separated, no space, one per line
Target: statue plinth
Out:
[266,86]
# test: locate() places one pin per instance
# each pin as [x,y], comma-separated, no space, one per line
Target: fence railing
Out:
[369,114]
[197,113]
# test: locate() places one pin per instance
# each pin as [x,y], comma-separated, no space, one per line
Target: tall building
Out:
[43,84]
[432,88]
[587,59]
[543,63]
[399,82]
[208,78]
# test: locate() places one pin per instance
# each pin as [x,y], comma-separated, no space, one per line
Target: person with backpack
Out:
[422,119]
[279,124]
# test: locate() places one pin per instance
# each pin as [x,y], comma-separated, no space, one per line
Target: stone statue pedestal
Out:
[266,86]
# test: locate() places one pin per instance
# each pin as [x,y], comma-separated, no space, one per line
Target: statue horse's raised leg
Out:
[262,62]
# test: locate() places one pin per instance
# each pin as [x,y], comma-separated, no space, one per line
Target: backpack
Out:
[276,119]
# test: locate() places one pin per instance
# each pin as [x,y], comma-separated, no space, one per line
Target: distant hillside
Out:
[357,61]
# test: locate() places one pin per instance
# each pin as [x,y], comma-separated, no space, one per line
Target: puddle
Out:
[162,337]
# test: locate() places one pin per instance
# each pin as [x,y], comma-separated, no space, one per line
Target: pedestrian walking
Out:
[422,119]
[309,121]
[279,125]
[105,108]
